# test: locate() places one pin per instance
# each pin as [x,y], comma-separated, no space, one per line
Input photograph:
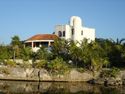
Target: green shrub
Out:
[25,65]
[58,66]
[41,64]
[10,63]
[114,72]
[110,73]
[80,70]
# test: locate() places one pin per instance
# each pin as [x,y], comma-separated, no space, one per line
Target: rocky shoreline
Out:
[42,75]
[34,74]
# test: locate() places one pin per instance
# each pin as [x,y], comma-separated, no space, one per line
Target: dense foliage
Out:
[65,54]
[110,73]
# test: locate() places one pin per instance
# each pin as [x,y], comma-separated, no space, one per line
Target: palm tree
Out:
[56,48]
[15,42]
[42,53]
[74,52]
[122,40]
[60,48]
[93,55]
[26,53]
[4,53]
[119,41]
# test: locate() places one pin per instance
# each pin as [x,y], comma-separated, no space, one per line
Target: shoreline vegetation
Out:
[98,62]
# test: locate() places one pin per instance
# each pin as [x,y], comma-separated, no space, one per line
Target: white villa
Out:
[40,40]
[74,31]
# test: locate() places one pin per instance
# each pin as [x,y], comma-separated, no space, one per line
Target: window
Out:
[60,34]
[72,31]
[53,33]
[82,32]
[63,33]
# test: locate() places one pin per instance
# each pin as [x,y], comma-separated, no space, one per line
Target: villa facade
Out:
[75,31]
[39,40]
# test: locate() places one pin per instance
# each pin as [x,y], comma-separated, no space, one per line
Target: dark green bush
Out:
[58,66]
[41,64]
[80,70]
[110,73]
[10,63]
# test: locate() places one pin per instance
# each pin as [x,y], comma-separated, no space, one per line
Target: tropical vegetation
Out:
[67,54]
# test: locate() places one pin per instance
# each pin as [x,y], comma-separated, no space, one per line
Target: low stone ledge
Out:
[31,74]
[34,74]
[19,79]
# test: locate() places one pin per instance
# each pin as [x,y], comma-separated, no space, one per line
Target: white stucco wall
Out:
[59,28]
[62,28]
[76,24]
[75,21]
[89,33]
[68,32]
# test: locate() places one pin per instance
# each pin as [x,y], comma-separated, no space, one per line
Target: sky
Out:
[26,18]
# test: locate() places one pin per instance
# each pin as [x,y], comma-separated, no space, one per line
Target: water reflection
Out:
[17,87]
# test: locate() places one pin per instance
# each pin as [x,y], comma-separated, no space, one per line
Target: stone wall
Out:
[34,74]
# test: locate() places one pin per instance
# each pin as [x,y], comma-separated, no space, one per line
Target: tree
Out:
[26,53]
[58,66]
[114,51]
[43,53]
[4,53]
[92,55]
[15,43]
[120,41]
[74,52]
[60,48]
[116,56]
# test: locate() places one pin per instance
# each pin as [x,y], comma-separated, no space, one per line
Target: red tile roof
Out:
[43,37]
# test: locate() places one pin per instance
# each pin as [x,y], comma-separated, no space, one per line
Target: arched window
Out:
[60,34]
[82,32]
[53,33]
[63,33]
[72,31]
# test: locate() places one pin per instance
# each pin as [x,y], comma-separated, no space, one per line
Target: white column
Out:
[49,43]
[32,44]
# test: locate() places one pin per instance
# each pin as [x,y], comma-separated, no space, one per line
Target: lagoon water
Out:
[19,87]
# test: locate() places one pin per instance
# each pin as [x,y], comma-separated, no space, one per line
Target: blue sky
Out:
[29,17]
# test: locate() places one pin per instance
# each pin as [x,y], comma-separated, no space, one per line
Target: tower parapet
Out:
[75,30]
